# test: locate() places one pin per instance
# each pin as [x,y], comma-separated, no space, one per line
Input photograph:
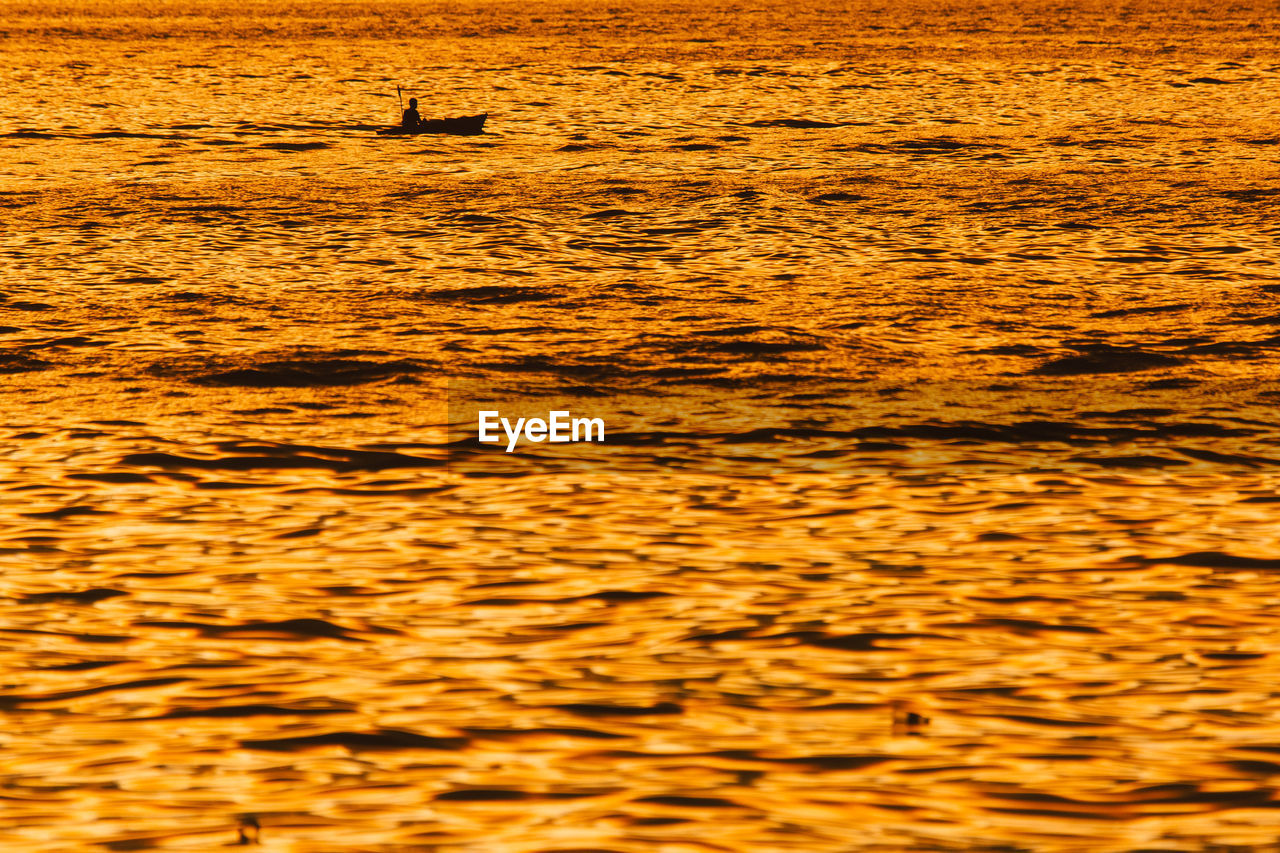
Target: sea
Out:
[936,348]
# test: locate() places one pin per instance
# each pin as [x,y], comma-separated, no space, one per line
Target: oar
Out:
[400,99]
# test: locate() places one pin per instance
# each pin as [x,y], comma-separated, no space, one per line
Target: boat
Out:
[459,126]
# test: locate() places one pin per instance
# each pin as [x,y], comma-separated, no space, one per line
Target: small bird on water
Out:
[906,720]
[248,830]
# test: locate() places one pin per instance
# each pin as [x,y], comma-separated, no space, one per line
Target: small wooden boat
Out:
[459,126]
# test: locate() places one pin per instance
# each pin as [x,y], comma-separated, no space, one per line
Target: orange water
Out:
[948,337]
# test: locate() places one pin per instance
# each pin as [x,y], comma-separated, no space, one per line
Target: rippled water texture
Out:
[942,511]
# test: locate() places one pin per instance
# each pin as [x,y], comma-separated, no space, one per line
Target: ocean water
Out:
[938,344]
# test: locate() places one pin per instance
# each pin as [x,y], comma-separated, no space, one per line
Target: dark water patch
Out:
[81,666]
[491,294]
[608,596]
[611,213]
[1146,309]
[1220,250]
[140,279]
[309,374]
[1012,349]
[1218,560]
[12,700]
[288,629]
[770,342]
[64,512]
[625,246]
[384,740]
[210,298]
[1047,722]
[61,341]
[1126,414]
[1024,432]
[493,795]
[766,347]
[1134,259]
[827,198]
[798,123]
[1091,144]
[286,373]
[690,802]
[214,486]
[80,637]
[1228,458]
[1026,627]
[592,709]
[86,596]
[368,492]
[1258,320]
[1271,320]
[21,362]
[560,731]
[30,134]
[1106,359]
[1142,801]
[1172,382]
[242,711]
[294,146]
[485,795]
[280,456]
[933,145]
[867,641]
[466,217]
[170,461]
[122,134]
[1252,194]
[508,330]
[940,143]
[1247,349]
[1130,462]
[815,763]
[729,331]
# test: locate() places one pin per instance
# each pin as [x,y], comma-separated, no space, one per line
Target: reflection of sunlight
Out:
[937,352]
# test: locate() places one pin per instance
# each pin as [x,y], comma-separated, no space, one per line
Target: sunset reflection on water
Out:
[937,348]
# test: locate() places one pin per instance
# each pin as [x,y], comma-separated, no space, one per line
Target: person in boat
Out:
[410,120]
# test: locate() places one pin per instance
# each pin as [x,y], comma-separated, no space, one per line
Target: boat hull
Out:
[459,126]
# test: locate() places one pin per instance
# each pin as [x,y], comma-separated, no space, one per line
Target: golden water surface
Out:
[942,510]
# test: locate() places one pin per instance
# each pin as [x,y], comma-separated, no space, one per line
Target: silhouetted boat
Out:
[459,126]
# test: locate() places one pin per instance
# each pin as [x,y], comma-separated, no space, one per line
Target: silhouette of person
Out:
[411,119]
